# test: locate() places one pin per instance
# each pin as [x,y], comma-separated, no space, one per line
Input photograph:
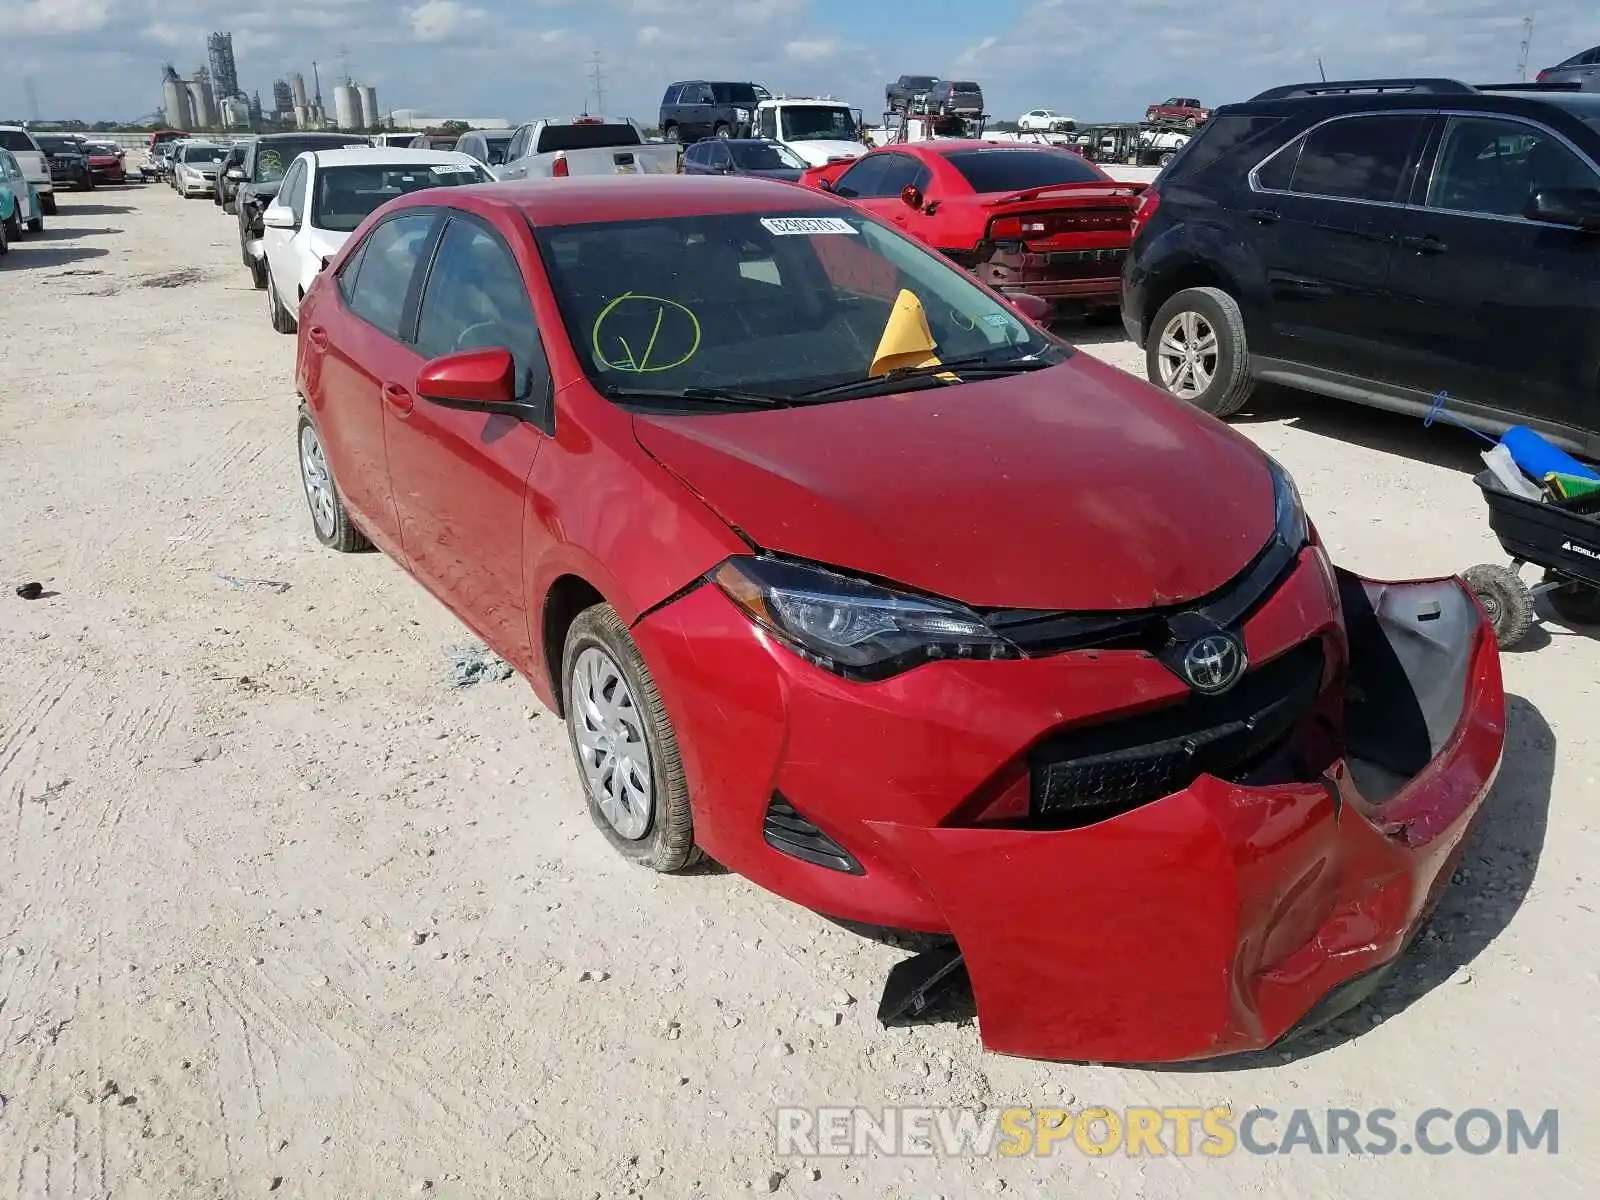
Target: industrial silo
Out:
[202,103]
[347,107]
[297,90]
[175,101]
[235,112]
[369,106]
[302,116]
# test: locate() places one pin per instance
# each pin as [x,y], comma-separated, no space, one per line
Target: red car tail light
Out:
[1005,229]
[559,169]
[1539,78]
[1149,201]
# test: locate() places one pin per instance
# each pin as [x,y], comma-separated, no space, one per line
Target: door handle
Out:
[1424,245]
[1264,215]
[318,337]
[398,398]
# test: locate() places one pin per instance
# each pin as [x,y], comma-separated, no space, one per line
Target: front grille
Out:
[787,831]
[1088,774]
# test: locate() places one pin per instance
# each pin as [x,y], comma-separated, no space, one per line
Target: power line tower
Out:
[32,94]
[344,63]
[1527,40]
[599,85]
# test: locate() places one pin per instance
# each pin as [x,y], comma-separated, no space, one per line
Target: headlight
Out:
[852,627]
[1289,514]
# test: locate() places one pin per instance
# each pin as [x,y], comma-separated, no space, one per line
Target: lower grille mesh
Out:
[787,831]
[1092,773]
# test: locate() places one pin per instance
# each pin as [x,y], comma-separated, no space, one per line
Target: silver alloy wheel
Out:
[611,743]
[1187,356]
[318,480]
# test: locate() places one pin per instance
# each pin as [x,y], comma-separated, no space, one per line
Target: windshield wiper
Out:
[707,395]
[981,365]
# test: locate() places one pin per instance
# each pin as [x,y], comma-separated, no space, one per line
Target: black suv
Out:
[68,157]
[699,109]
[1382,241]
[907,91]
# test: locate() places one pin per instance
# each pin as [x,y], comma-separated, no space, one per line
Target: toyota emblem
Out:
[1213,663]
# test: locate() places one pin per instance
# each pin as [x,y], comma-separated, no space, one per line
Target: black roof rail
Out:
[1341,87]
[1528,85]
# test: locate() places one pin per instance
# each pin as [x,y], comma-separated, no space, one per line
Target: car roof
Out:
[332,138]
[1523,101]
[396,156]
[947,146]
[585,200]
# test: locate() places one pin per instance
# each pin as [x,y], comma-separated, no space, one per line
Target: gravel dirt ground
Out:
[285,911]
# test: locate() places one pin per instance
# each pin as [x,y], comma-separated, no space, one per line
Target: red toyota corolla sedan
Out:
[1025,219]
[848,575]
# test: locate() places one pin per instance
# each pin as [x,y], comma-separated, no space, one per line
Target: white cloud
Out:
[812,49]
[49,17]
[443,20]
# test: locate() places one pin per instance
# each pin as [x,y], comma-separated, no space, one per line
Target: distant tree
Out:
[456,127]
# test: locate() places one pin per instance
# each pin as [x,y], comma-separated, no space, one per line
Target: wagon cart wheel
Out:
[1506,601]
[1576,602]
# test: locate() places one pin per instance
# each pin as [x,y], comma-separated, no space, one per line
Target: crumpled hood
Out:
[1076,487]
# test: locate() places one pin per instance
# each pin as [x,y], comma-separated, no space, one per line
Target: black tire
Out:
[47,204]
[667,842]
[14,226]
[722,131]
[1506,601]
[36,225]
[1230,384]
[258,272]
[229,207]
[282,319]
[1166,157]
[333,526]
[671,133]
[1575,603]
[5,242]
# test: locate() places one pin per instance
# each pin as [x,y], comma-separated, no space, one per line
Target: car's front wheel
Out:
[258,271]
[13,225]
[626,751]
[1196,350]
[329,518]
[47,204]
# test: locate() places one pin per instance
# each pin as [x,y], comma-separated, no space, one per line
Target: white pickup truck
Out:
[819,129]
[34,163]
[585,146]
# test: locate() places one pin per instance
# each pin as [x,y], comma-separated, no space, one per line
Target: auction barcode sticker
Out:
[784,226]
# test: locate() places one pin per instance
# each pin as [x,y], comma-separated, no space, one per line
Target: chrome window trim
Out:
[1479,114]
[1299,138]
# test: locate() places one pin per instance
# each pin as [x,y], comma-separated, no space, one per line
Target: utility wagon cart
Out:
[1562,536]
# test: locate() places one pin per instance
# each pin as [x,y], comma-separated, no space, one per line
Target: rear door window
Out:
[1358,158]
[389,260]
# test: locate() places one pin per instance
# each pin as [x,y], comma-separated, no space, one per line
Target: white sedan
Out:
[1044,120]
[325,194]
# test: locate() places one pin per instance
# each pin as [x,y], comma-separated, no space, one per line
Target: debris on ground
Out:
[474,663]
[173,279]
[266,585]
[31,590]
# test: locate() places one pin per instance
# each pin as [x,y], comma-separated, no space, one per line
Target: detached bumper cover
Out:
[1205,922]
[1059,276]
[1212,921]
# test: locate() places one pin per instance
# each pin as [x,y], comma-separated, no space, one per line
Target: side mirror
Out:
[236,174]
[1577,207]
[482,380]
[1033,308]
[278,216]
[825,184]
[911,196]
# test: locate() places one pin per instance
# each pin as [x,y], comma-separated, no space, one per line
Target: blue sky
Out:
[523,59]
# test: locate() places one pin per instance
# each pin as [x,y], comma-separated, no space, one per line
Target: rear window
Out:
[1016,170]
[734,93]
[966,86]
[56,145]
[346,196]
[16,139]
[585,137]
[273,158]
[1219,136]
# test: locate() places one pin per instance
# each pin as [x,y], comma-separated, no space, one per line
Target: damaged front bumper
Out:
[1210,920]
[1222,918]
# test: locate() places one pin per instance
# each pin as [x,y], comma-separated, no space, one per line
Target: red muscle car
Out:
[1031,219]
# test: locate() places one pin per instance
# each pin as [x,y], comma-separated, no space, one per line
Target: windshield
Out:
[346,196]
[15,139]
[496,148]
[102,149]
[818,122]
[920,82]
[1022,168]
[779,303]
[586,137]
[768,156]
[273,158]
[204,154]
[734,93]
[59,145]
